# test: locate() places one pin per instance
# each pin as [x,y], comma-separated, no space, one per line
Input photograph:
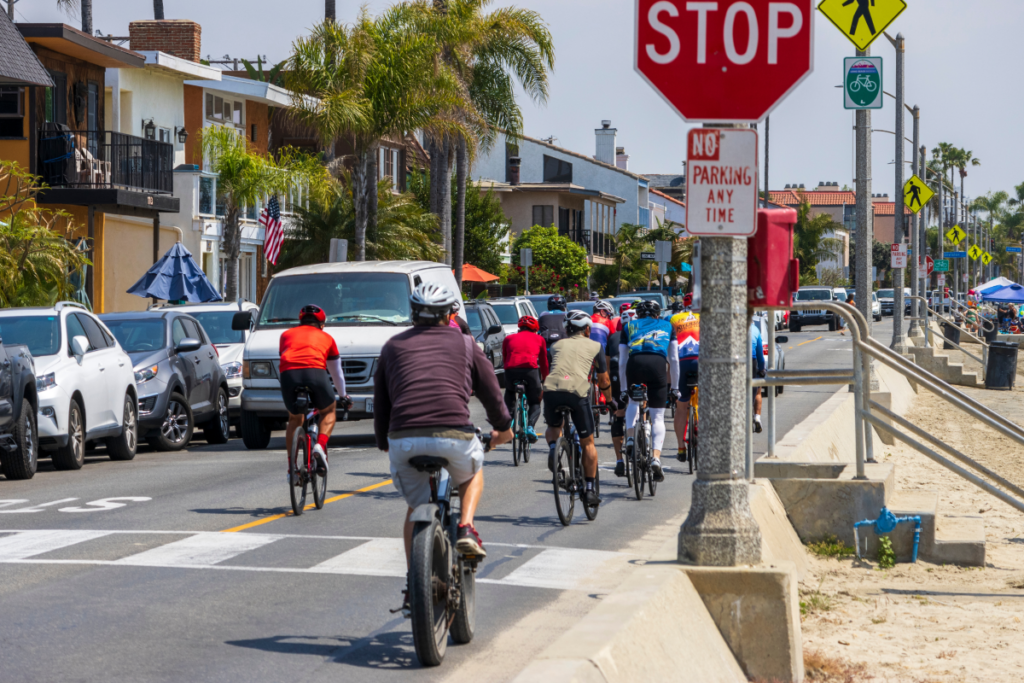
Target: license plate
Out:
[369,405]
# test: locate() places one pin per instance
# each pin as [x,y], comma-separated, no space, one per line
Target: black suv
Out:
[798,319]
[178,375]
[486,328]
[19,434]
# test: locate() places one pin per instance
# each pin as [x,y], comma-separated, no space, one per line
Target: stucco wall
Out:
[127,254]
[518,206]
[17,150]
[156,96]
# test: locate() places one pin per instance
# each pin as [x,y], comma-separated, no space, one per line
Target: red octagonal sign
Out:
[724,61]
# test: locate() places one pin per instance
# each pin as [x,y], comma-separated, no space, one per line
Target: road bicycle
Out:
[442,581]
[691,422]
[641,457]
[303,472]
[567,479]
[520,421]
[594,398]
[864,81]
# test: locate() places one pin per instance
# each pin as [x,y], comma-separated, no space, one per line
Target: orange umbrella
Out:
[471,273]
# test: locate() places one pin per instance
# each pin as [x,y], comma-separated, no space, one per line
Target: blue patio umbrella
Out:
[176,277]
[1013,294]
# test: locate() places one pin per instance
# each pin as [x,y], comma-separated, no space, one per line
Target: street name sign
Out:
[646,255]
[898,253]
[954,254]
[526,257]
[975,252]
[861,21]
[941,265]
[721,182]
[862,82]
[728,61]
[986,258]
[916,194]
[956,234]
[929,264]
[1013,250]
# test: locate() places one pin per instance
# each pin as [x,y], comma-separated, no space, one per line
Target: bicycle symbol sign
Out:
[862,82]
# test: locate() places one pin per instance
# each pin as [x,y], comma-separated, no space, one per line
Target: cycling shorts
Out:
[582,413]
[618,426]
[528,376]
[650,369]
[687,375]
[317,381]
[465,458]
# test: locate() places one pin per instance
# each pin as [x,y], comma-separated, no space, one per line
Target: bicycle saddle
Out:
[563,410]
[428,463]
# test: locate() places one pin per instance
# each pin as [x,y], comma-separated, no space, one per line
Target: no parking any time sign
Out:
[721,182]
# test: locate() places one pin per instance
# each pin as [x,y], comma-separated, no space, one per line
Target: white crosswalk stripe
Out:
[551,568]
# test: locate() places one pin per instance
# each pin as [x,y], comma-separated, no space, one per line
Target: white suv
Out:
[216,321]
[84,380]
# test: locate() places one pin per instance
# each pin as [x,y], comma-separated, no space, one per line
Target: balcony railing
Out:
[104,159]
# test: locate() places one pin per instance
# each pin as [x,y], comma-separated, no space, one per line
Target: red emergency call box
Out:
[772,272]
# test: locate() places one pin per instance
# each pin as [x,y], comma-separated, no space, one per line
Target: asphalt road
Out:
[119,572]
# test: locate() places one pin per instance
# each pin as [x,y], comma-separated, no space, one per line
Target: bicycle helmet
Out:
[312,311]
[456,306]
[688,300]
[556,302]
[431,301]
[648,309]
[577,320]
[677,306]
[604,307]
[529,323]
[625,307]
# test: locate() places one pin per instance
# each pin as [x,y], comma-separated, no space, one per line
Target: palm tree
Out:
[965,158]
[993,204]
[329,11]
[70,7]
[629,242]
[377,78]
[811,241]
[245,177]
[158,10]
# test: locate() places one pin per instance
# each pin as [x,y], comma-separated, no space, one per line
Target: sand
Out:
[923,622]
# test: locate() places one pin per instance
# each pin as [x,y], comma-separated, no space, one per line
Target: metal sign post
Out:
[339,251]
[526,260]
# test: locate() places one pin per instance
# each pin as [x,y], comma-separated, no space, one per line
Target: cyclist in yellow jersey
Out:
[686,325]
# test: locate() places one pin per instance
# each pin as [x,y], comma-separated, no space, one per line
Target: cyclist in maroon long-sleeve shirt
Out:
[525,354]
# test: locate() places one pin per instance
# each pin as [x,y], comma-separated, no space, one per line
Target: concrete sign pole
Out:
[720,530]
[899,342]
[915,229]
[865,236]
[922,233]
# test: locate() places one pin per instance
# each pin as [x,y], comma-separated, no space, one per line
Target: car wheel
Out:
[218,430]
[175,431]
[255,432]
[123,447]
[22,460]
[72,455]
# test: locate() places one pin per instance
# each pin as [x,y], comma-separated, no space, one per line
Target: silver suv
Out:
[799,319]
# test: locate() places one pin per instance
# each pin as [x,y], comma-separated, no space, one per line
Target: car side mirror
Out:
[187,345]
[782,340]
[241,322]
[79,346]
[493,329]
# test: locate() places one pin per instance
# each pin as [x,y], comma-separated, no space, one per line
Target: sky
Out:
[959,70]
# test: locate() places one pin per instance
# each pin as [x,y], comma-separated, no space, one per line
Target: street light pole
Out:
[922,232]
[915,229]
[899,343]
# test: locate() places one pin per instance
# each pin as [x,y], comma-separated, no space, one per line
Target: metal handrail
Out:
[928,331]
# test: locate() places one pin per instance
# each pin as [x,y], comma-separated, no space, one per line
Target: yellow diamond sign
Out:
[956,235]
[975,252]
[986,258]
[916,194]
[861,21]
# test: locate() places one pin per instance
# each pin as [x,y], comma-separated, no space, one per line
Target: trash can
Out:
[952,333]
[990,335]
[1001,371]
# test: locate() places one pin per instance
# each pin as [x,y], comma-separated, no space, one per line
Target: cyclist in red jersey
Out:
[526,361]
[306,352]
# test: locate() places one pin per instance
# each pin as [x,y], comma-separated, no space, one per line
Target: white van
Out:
[366,304]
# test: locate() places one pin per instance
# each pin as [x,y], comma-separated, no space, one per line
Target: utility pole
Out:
[720,530]
[899,342]
[865,238]
[956,271]
[922,226]
[915,229]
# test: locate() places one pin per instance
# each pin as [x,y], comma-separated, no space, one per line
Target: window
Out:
[209,105]
[139,334]
[222,202]
[206,195]
[236,113]
[252,133]
[163,134]
[217,325]
[11,113]
[92,331]
[250,211]
[75,329]
[544,216]
[40,333]
[92,115]
[191,329]
[556,170]
[358,299]
[387,168]
[55,99]
[177,332]
[510,151]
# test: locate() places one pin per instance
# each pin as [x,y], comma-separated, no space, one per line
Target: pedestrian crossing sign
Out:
[956,235]
[916,194]
[861,21]
[986,258]
[975,252]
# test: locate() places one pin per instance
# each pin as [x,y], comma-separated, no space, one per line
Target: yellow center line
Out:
[308,507]
[808,341]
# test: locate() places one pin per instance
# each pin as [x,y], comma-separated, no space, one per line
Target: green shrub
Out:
[830,546]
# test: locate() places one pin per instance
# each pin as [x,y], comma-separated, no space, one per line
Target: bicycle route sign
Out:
[941,265]
[861,21]
[916,194]
[862,82]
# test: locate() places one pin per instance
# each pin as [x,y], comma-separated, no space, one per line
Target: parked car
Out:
[876,306]
[486,328]
[84,382]
[619,300]
[177,370]
[841,293]
[780,354]
[539,301]
[800,319]
[585,306]
[366,302]
[933,300]
[654,294]
[886,297]
[215,320]
[19,435]
[511,309]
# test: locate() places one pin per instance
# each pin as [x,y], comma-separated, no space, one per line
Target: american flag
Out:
[270,219]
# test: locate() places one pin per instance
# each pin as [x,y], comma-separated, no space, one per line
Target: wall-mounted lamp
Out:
[149,129]
[182,134]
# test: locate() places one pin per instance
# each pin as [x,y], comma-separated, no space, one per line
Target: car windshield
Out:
[506,313]
[347,299]
[218,327]
[473,317]
[139,334]
[40,333]
[814,295]
[885,293]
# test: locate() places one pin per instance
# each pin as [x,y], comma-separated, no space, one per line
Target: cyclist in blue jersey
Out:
[758,368]
[649,355]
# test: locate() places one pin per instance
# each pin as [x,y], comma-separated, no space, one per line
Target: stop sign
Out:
[724,61]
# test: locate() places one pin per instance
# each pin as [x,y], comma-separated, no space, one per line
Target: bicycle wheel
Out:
[428,572]
[636,460]
[299,460]
[591,511]
[518,432]
[563,481]
[319,485]
[691,439]
[525,418]
[464,623]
